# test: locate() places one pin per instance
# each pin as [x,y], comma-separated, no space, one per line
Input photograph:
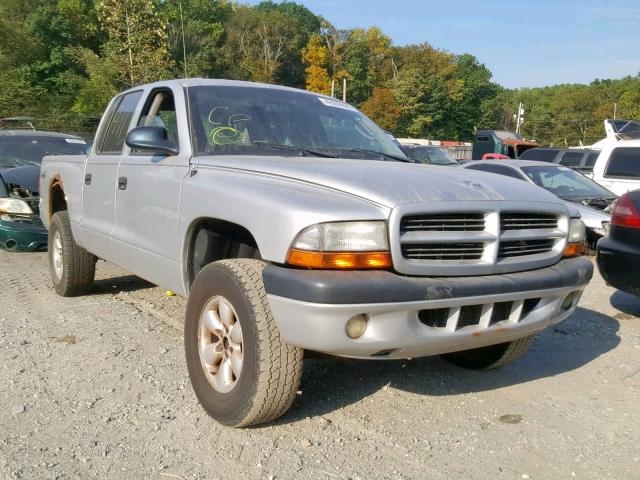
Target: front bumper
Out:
[23,236]
[311,308]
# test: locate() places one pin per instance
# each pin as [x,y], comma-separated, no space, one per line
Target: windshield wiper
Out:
[293,148]
[375,152]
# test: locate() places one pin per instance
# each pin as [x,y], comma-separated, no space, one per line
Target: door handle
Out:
[87,179]
[122,183]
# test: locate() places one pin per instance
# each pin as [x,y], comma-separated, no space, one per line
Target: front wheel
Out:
[493,356]
[242,372]
[72,268]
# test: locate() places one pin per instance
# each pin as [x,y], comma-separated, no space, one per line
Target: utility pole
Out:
[615,110]
[520,117]
[333,88]
[344,90]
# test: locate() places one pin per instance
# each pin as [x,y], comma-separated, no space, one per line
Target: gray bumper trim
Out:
[358,287]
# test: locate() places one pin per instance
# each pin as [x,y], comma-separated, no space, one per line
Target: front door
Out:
[148,193]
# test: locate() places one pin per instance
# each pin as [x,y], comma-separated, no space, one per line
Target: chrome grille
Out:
[443,251]
[467,238]
[527,220]
[443,222]
[524,247]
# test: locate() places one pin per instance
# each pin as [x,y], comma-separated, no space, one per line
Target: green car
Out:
[21,153]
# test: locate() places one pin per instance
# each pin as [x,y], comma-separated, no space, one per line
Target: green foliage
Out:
[62,60]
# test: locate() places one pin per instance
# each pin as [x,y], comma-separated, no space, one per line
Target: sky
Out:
[524,43]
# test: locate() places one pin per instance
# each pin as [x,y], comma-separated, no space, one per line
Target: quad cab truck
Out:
[291,222]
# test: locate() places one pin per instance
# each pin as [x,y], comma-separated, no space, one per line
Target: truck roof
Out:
[23,132]
[196,82]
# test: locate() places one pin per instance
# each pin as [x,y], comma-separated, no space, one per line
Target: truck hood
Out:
[387,183]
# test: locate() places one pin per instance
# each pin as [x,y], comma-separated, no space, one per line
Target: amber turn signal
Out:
[339,260]
[574,249]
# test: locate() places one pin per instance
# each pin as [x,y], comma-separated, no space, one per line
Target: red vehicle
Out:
[495,156]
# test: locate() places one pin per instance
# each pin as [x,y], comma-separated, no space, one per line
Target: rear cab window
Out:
[571,159]
[624,163]
[539,154]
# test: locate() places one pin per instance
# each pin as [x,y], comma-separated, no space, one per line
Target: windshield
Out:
[566,183]
[233,120]
[432,155]
[20,150]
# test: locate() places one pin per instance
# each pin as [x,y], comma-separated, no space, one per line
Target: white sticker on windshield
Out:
[329,102]
[75,140]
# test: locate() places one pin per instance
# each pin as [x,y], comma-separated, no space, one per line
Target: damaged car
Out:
[21,153]
[593,201]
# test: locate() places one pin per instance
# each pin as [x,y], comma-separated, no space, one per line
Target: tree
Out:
[383,109]
[316,56]
[137,40]
[203,24]
[475,86]
[260,42]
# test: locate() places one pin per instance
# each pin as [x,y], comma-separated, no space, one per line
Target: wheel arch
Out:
[209,239]
[57,200]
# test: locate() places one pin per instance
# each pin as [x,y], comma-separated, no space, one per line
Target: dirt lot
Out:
[96,387]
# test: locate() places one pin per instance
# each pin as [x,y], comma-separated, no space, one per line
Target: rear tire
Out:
[72,267]
[493,356]
[261,384]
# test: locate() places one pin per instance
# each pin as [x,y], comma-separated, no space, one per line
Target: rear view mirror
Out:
[152,139]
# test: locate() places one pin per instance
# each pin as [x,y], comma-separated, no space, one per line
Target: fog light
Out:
[356,326]
[567,302]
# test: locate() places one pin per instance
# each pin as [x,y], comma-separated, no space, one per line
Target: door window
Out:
[624,162]
[112,142]
[160,111]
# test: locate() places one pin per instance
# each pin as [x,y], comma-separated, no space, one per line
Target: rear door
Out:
[145,238]
[99,180]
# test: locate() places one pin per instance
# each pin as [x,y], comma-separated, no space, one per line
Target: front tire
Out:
[493,356]
[72,268]
[242,372]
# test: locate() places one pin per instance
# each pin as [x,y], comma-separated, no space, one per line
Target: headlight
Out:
[15,206]
[346,245]
[576,238]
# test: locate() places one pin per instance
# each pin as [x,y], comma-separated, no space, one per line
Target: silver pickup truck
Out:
[291,222]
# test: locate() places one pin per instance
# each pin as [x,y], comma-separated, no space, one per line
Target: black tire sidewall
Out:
[57,226]
[227,408]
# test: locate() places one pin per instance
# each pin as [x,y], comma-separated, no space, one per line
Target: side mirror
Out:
[153,139]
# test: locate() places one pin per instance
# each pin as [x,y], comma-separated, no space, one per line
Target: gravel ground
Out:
[96,387]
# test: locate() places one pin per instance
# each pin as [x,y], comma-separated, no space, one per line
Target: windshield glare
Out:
[431,155]
[566,183]
[21,150]
[232,120]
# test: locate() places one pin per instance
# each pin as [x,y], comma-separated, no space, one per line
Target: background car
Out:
[589,198]
[619,253]
[21,153]
[579,159]
[428,154]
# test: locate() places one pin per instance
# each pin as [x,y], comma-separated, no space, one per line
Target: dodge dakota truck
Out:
[291,222]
